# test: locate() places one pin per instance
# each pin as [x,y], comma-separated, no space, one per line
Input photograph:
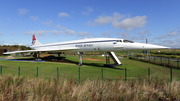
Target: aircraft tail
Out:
[35,42]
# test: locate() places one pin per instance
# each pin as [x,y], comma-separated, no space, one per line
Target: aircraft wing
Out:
[44,50]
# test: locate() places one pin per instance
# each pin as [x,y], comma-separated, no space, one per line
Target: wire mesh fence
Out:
[163,61]
[82,73]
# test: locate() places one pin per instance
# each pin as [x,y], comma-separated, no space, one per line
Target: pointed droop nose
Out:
[151,47]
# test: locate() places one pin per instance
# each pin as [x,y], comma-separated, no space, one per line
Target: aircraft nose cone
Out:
[150,46]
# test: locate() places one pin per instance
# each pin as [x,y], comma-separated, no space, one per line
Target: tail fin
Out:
[35,42]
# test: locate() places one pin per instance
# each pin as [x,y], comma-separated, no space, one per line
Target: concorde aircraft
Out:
[109,45]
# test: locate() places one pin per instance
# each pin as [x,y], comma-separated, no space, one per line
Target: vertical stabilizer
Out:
[35,42]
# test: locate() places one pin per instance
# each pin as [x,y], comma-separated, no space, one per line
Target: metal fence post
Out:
[171,73]
[19,71]
[102,74]
[57,73]
[125,74]
[1,71]
[148,72]
[79,74]
[37,72]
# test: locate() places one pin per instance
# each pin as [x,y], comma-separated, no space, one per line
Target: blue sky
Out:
[64,20]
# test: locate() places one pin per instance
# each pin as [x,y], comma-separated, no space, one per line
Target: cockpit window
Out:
[119,40]
[128,41]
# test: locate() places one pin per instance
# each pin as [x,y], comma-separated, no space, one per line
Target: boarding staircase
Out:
[114,58]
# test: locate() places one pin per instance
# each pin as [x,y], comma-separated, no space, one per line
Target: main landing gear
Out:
[80,58]
[38,59]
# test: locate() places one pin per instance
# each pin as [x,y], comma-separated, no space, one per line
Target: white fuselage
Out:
[99,44]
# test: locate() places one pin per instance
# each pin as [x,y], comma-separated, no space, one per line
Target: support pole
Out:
[38,59]
[107,59]
[80,58]
[38,56]
[58,54]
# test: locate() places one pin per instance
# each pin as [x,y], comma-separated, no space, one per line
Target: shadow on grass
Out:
[64,60]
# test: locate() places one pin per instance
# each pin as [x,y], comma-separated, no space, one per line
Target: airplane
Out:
[109,45]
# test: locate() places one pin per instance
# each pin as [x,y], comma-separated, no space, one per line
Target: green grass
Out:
[90,69]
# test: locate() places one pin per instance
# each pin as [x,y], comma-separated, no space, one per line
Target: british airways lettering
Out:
[84,45]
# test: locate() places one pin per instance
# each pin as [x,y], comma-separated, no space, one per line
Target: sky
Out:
[65,20]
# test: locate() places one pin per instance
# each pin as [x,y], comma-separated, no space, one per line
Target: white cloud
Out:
[101,20]
[168,41]
[0,33]
[106,34]
[161,37]
[34,17]
[89,9]
[69,32]
[39,32]
[2,42]
[22,11]
[142,38]
[124,34]
[135,38]
[143,32]
[48,22]
[63,14]
[55,32]
[59,26]
[83,34]
[173,33]
[130,23]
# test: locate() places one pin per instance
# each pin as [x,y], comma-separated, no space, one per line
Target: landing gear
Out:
[107,59]
[80,58]
[38,59]
[59,54]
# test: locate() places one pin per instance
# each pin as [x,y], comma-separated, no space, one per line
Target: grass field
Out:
[91,69]
[49,88]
